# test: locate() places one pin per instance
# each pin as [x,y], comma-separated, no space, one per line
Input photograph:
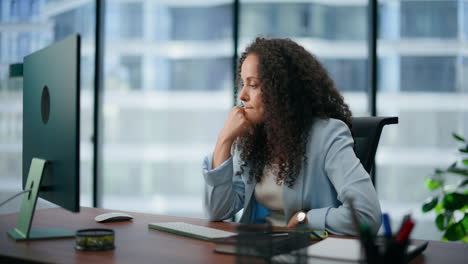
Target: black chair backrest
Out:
[366,133]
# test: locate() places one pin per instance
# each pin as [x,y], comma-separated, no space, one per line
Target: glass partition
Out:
[168,88]
[334,31]
[25,27]
[422,60]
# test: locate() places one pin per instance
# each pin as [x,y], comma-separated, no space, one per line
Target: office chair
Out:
[366,133]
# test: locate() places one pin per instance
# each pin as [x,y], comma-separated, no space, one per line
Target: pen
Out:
[405,231]
[312,232]
[386,224]
[405,219]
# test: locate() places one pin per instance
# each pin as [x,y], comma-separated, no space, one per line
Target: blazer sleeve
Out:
[224,191]
[351,181]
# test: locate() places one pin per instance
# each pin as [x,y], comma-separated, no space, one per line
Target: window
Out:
[131,20]
[167,93]
[334,32]
[132,71]
[191,74]
[429,19]
[28,26]
[349,75]
[421,80]
[428,73]
[196,23]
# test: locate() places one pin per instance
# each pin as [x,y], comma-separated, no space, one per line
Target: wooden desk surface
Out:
[135,243]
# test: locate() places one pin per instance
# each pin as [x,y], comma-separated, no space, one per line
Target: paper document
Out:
[336,248]
[349,250]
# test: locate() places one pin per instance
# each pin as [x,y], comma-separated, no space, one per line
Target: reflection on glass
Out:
[27,26]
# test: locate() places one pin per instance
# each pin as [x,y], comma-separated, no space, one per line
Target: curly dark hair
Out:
[296,89]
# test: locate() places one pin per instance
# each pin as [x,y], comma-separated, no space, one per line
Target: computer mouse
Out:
[113,217]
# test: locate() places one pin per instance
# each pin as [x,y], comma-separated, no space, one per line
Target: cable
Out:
[14,196]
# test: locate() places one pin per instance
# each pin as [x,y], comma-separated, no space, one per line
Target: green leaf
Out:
[452,166]
[465,150]
[454,201]
[465,162]
[457,137]
[458,171]
[438,209]
[464,222]
[455,232]
[440,222]
[430,204]
[463,183]
[464,208]
[432,184]
[439,171]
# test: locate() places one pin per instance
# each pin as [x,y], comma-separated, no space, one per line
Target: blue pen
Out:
[386,224]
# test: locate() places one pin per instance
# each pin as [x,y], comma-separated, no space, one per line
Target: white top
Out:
[269,194]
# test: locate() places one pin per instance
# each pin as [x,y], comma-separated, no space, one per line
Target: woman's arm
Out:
[236,124]
[224,191]
[351,181]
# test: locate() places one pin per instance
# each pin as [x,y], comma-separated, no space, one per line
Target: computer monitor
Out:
[51,134]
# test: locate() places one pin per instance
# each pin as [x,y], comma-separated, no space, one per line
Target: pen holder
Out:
[386,250]
[395,252]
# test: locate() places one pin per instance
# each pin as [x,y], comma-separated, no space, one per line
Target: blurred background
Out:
[168,86]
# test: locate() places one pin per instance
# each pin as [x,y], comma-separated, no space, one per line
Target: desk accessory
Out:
[23,230]
[261,242]
[393,248]
[189,230]
[350,250]
[113,217]
[95,239]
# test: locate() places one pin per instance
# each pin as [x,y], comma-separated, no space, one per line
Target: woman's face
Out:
[251,93]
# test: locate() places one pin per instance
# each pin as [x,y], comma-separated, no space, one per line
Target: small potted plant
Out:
[450,197]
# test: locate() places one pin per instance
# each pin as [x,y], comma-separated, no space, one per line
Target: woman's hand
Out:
[235,126]
[294,222]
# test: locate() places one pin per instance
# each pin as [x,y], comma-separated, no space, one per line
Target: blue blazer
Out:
[332,175]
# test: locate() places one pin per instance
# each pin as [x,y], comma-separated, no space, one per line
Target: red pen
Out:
[405,230]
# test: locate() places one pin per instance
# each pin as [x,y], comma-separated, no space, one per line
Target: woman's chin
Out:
[253,120]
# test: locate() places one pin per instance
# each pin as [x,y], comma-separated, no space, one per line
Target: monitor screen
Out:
[51,120]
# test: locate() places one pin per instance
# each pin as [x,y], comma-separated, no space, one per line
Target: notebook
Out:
[349,250]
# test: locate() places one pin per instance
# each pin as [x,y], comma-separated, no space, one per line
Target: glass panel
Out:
[168,90]
[334,31]
[27,26]
[422,80]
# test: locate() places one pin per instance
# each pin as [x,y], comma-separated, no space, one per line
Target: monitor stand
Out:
[23,229]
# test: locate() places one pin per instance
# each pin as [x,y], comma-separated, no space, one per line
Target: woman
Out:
[287,155]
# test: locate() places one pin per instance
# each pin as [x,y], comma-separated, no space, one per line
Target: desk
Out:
[135,243]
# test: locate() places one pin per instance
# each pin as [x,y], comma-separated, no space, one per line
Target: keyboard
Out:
[189,230]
